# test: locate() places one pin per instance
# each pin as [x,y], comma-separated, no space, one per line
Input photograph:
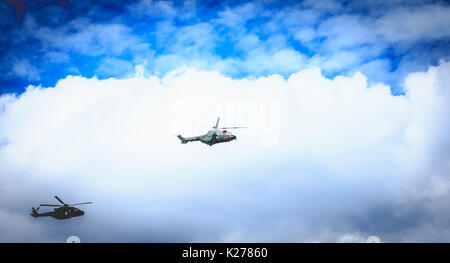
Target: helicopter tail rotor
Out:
[34,211]
[182,139]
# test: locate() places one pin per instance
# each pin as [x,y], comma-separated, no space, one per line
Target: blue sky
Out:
[345,104]
[385,41]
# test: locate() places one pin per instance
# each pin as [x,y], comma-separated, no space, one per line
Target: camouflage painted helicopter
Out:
[216,135]
[63,211]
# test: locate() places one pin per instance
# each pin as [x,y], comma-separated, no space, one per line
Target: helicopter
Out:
[63,211]
[216,135]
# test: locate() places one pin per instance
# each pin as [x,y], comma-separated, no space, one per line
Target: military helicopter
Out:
[216,135]
[63,211]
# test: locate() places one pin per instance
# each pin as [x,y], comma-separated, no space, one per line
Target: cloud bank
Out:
[323,159]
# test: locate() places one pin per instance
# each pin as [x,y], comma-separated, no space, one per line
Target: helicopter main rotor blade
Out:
[82,203]
[217,123]
[50,205]
[223,128]
[59,200]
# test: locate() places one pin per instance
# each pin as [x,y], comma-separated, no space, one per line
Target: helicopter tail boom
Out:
[189,139]
[182,139]
[36,214]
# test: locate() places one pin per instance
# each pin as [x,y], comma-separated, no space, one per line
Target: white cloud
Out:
[427,22]
[304,35]
[84,37]
[111,66]
[113,142]
[164,9]
[399,24]
[25,69]
[337,61]
[239,15]
[352,238]
[347,31]
[57,57]
[154,8]
[323,4]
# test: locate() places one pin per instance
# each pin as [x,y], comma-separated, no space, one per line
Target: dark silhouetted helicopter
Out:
[63,211]
[216,135]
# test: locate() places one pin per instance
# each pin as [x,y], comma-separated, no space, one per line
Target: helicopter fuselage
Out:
[66,212]
[210,138]
[61,213]
[218,136]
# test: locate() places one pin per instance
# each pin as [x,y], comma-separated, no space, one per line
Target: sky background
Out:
[346,104]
